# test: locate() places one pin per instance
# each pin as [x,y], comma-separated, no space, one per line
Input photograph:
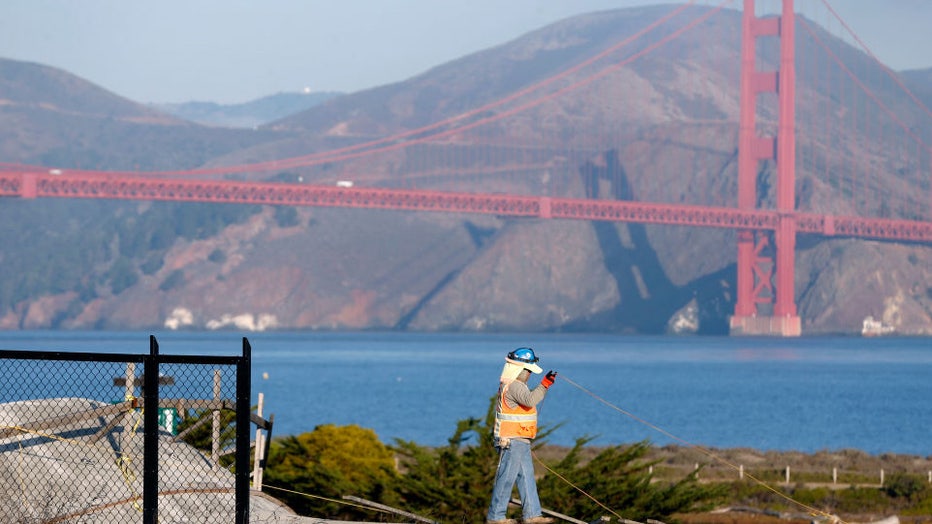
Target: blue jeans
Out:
[515,466]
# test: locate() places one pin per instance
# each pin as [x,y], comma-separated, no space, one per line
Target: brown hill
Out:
[50,117]
[661,128]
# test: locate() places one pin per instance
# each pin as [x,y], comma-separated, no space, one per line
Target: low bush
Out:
[319,467]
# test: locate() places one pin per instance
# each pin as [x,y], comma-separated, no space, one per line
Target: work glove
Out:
[548,379]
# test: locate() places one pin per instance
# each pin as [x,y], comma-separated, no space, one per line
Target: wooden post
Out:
[215,434]
[130,393]
[835,475]
[130,376]
[741,472]
[259,451]
[787,474]
[881,476]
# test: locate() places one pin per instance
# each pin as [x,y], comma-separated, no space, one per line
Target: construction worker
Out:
[515,428]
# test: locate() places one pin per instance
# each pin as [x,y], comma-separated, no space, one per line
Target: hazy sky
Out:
[232,51]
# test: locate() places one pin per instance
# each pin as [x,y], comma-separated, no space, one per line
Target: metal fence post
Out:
[243,394]
[150,482]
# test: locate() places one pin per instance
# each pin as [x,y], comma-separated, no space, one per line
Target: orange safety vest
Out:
[517,422]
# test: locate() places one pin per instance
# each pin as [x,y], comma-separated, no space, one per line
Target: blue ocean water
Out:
[805,394]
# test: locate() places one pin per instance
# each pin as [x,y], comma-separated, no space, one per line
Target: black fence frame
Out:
[243,364]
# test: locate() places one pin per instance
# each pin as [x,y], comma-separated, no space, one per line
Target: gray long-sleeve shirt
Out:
[519,393]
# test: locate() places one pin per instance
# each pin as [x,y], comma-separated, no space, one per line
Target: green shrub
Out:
[860,500]
[922,503]
[454,483]
[906,487]
[330,462]
[816,497]
[620,478]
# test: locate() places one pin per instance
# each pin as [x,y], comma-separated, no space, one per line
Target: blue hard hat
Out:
[525,355]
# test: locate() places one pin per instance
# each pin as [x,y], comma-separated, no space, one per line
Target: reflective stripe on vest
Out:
[517,422]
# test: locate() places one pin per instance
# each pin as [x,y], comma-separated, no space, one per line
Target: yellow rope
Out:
[577,488]
[811,510]
[124,461]
[308,495]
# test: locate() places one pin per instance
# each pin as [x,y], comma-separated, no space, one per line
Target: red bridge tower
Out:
[765,280]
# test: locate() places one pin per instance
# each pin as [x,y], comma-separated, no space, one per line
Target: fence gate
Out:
[124,438]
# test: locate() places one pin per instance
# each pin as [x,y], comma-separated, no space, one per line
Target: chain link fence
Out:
[79,442]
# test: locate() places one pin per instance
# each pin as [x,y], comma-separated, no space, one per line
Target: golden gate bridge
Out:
[766,134]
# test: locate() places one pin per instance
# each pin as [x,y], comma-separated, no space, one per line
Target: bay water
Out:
[805,394]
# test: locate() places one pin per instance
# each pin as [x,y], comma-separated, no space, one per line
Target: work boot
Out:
[540,519]
[503,521]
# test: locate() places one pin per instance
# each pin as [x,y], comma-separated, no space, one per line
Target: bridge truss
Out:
[32,184]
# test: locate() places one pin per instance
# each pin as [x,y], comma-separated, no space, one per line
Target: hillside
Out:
[315,268]
[248,114]
[50,117]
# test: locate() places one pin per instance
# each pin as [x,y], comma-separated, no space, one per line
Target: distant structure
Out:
[756,268]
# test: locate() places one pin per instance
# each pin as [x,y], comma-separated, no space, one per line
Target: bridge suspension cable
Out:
[457,124]
[858,177]
[893,76]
